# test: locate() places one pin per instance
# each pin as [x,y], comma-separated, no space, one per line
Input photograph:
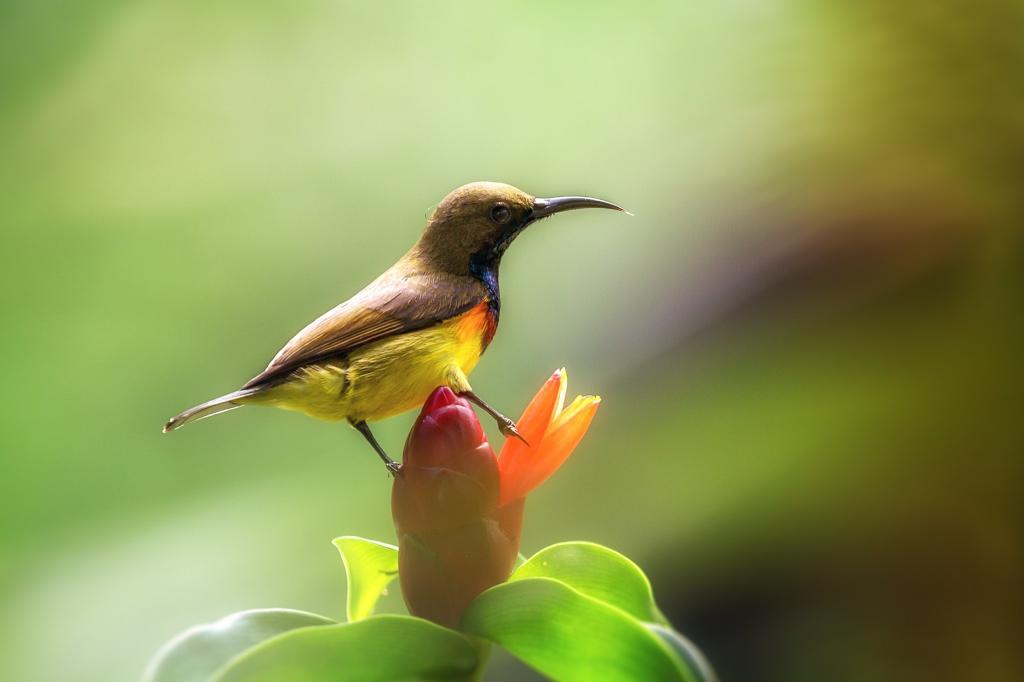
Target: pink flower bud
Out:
[458,514]
[451,545]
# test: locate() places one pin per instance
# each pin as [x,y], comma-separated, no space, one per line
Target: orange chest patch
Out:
[479,322]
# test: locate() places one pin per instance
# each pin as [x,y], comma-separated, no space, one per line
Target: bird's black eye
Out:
[501,214]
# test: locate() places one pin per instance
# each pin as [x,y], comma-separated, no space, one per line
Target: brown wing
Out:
[393,304]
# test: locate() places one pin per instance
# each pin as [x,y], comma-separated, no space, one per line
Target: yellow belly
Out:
[386,377]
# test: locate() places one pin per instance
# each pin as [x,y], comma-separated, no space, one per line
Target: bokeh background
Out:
[808,337]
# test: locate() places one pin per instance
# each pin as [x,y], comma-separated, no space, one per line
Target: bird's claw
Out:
[508,429]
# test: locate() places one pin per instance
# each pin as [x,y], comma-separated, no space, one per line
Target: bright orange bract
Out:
[552,433]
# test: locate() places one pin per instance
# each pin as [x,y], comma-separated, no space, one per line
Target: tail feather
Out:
[210,408]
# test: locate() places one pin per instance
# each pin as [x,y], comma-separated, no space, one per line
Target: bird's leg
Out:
[505,425]
[394,467]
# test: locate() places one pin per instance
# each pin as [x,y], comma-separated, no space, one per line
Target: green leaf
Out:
[369,566]
[687,650]
[197,653]
[385,648]
[597,572]
[569,636]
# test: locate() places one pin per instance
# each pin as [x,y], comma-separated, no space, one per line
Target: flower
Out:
[458,508]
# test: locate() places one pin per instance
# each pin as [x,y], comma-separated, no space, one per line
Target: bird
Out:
[421,324]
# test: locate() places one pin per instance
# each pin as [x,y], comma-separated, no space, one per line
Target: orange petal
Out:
[578,403]
[534,423]
[548,456]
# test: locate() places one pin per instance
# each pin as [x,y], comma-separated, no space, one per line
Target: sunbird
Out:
[424,323]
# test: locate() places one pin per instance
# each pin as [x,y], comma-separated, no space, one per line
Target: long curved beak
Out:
[542,208]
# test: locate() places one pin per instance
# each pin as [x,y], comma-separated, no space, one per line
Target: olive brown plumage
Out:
[423,323]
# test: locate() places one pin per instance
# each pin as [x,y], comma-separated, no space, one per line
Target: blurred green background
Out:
[808,338]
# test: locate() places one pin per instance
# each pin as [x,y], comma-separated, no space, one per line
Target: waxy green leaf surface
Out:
[369,567]
[196,654]
[686,650]
[597,572]
[570,636]
[379,649]
[573,611]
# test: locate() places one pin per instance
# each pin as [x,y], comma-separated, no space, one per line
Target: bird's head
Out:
[475,223]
